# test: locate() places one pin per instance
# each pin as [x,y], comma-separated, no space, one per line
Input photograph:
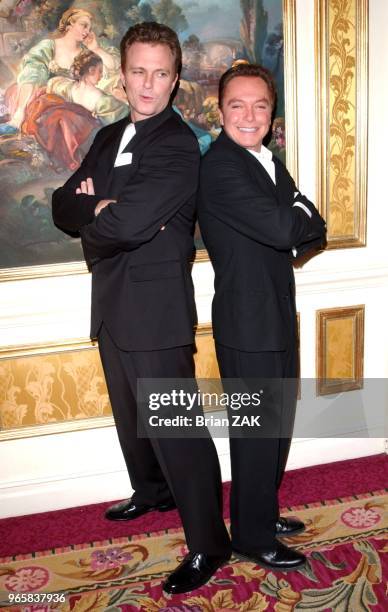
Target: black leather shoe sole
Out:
[274,568]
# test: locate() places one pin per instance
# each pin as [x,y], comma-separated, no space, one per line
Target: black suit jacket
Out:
[249,226]
[141,276]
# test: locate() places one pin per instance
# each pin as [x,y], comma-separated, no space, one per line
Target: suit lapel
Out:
[284,183]
[110,145]
[257,171]
[260,173]
[121,175]
[146,127]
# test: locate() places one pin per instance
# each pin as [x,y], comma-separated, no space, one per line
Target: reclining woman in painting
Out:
[86,71]
[54,56]
[65,117]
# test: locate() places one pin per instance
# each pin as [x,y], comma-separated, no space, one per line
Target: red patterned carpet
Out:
[345,543]
[97,565]
[35,532]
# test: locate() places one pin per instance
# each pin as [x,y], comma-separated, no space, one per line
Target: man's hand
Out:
[101,205]
[88,188]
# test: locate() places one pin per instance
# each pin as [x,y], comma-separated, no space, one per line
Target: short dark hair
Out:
[247,70]
[153,33]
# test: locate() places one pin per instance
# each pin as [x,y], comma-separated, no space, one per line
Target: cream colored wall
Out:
[67,469]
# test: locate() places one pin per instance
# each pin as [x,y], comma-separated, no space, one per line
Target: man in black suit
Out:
[133,203]
[254,221]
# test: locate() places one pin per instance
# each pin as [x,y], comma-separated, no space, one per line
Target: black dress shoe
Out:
[128,510]
[289,526]
[279,557]
[194,571]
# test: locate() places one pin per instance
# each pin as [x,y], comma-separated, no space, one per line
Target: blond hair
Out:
[69,17]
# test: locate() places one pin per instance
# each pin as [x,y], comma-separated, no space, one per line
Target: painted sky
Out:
[209,19]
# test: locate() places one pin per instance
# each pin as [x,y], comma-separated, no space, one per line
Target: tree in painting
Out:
[253,29]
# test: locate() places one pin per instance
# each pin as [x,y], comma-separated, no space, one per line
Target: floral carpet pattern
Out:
[345,542]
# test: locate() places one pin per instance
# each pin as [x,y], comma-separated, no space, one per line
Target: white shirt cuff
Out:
[304,207]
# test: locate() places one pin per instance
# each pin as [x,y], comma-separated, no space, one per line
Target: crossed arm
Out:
[74,204]
[229,195]
[166,177]
[87,187]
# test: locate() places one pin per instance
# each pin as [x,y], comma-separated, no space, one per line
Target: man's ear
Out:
[122,79]
[221,116]
[174,83]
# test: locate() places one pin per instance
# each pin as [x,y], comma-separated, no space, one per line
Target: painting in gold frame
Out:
[260,30]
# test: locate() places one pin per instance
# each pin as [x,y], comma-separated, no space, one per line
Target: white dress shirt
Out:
[264,156]
[123,159]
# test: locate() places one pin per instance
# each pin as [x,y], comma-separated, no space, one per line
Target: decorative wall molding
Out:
[341,28]
[331,280]
[309,281]
[32,272]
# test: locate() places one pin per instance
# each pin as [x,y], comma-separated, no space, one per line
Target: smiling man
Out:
[133,203]
[253,221]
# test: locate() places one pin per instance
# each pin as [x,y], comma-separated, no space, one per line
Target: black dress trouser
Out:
[258,464]
[186,469]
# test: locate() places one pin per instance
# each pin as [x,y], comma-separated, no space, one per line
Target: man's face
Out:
[149,77]
[246,111]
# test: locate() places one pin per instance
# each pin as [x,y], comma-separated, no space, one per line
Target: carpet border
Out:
[148,534]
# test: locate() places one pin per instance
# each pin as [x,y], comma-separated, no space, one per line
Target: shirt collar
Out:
[264,153]
[149,120]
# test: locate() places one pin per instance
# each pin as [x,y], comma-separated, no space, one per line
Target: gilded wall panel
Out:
[340,336]
[38,389]
[206,366]
[205,357]
[341,37]
[340,349]
[61,387]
